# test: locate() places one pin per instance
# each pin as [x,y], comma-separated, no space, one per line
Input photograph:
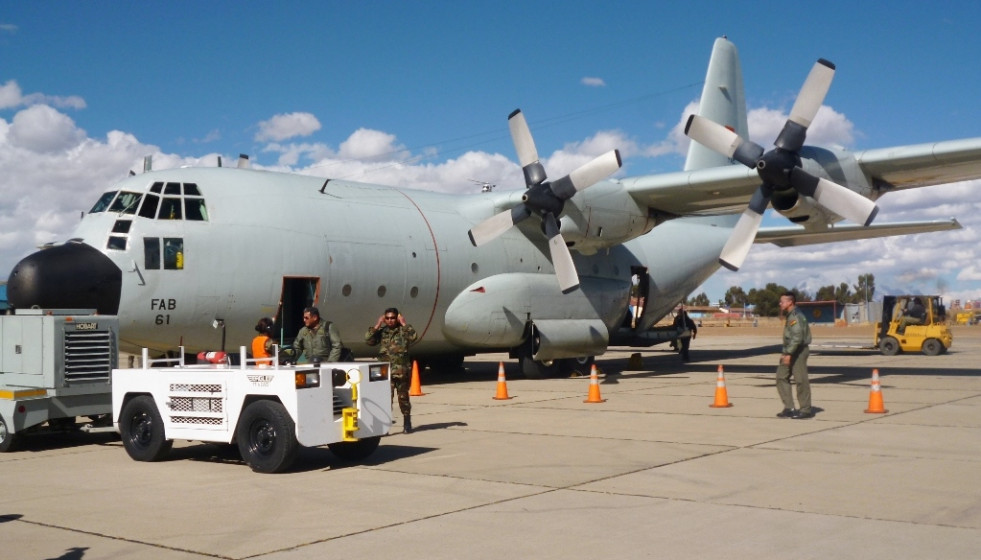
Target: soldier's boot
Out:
[407,425]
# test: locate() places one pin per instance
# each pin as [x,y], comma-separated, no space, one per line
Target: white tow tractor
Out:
[268,409]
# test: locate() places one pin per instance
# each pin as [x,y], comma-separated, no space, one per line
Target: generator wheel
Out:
[8,439]
[354,450]
[889,346]
[932,347]
[266,437]
[142,431]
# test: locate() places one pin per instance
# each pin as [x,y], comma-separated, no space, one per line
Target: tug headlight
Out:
[378,372]
[307,378]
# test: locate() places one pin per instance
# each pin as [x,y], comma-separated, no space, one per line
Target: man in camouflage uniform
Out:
[796,349]
[394,335]
[318,339]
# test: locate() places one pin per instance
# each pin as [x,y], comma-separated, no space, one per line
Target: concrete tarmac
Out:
[652,472]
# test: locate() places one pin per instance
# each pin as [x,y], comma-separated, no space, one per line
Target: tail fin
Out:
[723,101]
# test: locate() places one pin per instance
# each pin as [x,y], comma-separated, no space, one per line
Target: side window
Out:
[116,243]
[149,208]
[103,203]
[173,253]
[151,253]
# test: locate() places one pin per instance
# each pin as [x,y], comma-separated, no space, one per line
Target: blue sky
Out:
[416,94]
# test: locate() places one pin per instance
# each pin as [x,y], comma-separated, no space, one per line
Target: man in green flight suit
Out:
[318,339]
[394,335]
[793,360]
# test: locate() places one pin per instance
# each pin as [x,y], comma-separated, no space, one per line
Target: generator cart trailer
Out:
[55,366]
[268,410]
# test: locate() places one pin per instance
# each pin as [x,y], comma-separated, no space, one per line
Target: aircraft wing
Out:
[727,189]
[796,236]
[921,165]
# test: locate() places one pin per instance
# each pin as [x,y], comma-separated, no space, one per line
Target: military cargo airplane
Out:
[546,273]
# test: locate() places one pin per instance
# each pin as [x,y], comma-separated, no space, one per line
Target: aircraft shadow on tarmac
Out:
[667,362]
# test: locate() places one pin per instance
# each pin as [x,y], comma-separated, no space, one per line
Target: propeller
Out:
[780,167]
[545,198]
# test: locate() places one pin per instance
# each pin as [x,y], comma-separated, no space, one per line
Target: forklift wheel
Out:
[889,346]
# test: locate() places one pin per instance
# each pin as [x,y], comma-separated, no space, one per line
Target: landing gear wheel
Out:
[266,437]
[533,369]
[889,346]
[354,450]
[142,431]
[932,347]
[579,367]
[8,439]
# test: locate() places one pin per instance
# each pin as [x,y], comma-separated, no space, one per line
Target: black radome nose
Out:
[69,276]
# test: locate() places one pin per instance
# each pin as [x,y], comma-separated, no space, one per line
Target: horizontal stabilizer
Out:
[798,236]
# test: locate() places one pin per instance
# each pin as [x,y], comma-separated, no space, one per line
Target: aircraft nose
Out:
[69,276]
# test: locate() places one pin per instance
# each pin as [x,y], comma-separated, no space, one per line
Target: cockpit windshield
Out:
[103,203]
[126,202]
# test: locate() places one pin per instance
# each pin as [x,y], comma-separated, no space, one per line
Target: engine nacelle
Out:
[834,165]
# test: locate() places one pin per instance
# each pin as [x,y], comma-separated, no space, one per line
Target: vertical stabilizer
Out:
[723,101]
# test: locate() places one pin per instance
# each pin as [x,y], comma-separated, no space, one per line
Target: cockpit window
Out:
[194,209]
[126,202]
[170,209]
[149,208]
[191,189]
[103,203]
[156,187]
[172,188]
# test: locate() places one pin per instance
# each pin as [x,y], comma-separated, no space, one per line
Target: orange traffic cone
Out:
[594,390]
[721,396]
[875,396]
[415,387]
[502,385]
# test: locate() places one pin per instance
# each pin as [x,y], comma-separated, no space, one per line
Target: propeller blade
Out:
[493,227]
[719,138]
[806,106]
[841,200]
[587,175]
[524,144]
[744,234]
[741,239]
[812,93]
[565,269]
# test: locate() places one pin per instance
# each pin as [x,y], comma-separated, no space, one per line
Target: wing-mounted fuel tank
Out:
[838,166]
[504,310]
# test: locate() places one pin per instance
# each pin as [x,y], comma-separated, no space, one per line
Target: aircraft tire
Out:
[579,367]
[8,440]
[889,346]
[533,369]
[142,431]
[351,451]
[932,347]
[266,437]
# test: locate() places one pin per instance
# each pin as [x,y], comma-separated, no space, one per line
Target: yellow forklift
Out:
[913,323]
